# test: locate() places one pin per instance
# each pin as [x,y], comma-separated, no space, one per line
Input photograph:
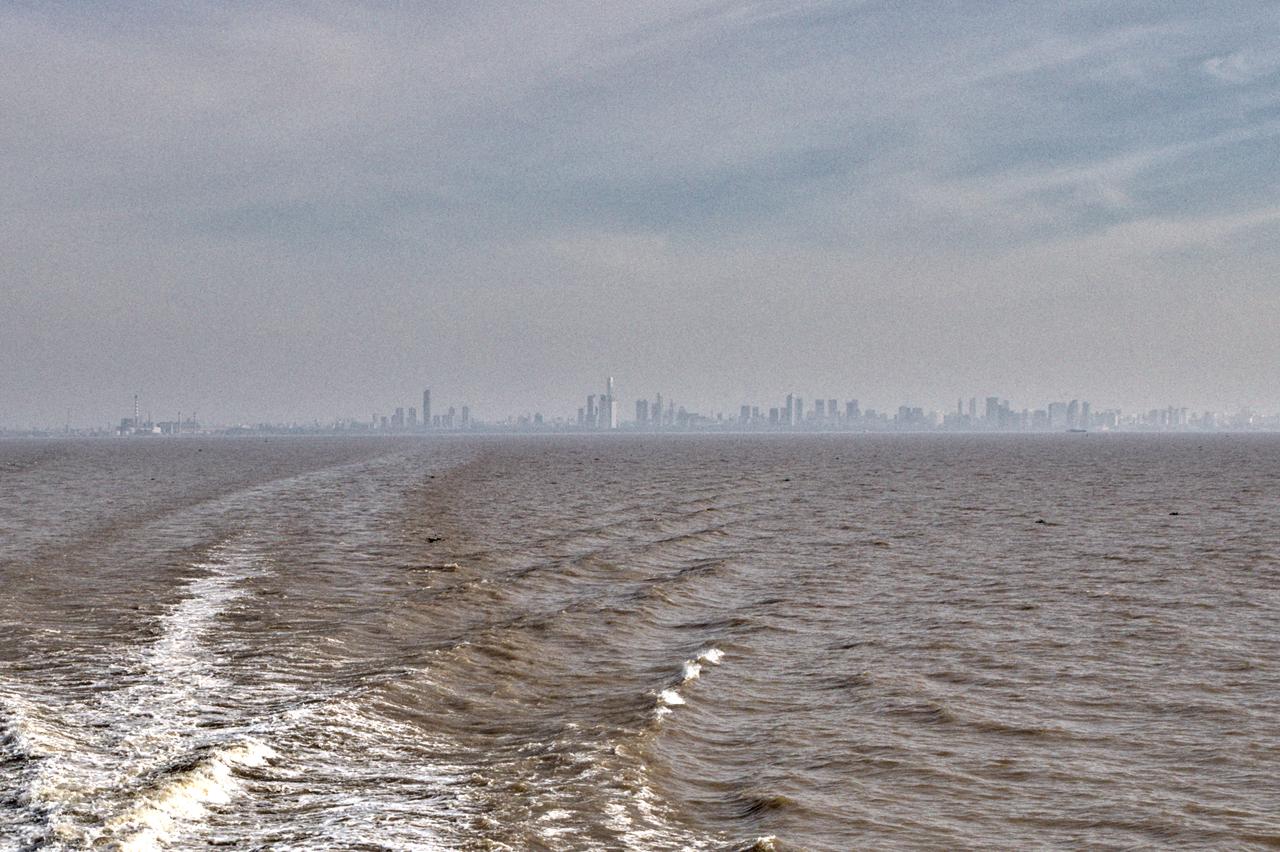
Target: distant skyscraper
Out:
[832,411]
[466,415]
[993,411]
[413,418]
[820,409]
[609,413]
[593,419]
[642,411]
[426,407]
[789,413]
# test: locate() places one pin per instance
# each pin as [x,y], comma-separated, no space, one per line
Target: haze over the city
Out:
[270,211]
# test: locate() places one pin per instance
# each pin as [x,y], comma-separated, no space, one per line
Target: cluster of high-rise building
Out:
[990,414]
[792,413]
[798,413]
[600,412]
[1077,415]
[997,415]
[413,419]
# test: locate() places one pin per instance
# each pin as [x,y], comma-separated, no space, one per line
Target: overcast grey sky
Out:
[276,211]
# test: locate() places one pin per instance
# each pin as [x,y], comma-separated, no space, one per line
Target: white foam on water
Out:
[180,658]
[48,770]
[690,671]
[618,818]
[340,754]
[152,821]
[693,668]
[654,830]
[551,832]
[670,697]
[639,822]
[84,764]
[360,776]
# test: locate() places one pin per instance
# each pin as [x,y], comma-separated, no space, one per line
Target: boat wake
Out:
[140,762]
[183,798]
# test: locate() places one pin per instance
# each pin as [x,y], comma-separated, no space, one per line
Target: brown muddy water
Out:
[656,643]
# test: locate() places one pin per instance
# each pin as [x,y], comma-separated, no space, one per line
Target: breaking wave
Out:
[47,771]
[77,771]
[690,671]
[183,798]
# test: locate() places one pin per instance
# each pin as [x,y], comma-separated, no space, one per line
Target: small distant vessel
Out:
[1077,430]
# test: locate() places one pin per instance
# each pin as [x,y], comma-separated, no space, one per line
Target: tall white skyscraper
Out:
[609,406]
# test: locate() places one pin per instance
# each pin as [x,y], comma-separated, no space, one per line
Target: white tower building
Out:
[610,407]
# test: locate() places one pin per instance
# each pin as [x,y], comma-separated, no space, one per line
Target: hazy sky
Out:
[276,211]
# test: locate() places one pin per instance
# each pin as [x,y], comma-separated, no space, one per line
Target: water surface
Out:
[644,643]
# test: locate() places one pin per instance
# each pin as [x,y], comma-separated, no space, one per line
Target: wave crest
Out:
[691,670]
[185,796]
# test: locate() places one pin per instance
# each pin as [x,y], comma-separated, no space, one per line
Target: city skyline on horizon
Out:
[397,415]
[725,200]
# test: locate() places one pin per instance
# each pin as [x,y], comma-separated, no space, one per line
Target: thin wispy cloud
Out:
[363,197]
